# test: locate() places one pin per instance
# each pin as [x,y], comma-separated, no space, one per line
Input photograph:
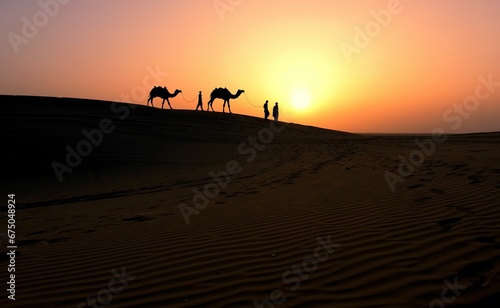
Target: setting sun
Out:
[300,98]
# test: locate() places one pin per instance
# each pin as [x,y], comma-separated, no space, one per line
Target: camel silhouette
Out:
[225,95]
[161,92]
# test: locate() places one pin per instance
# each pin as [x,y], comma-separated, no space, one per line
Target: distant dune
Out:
[207,209]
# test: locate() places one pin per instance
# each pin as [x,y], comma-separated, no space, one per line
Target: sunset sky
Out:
[358,66]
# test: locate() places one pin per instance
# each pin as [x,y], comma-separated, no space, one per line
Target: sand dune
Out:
[258,238]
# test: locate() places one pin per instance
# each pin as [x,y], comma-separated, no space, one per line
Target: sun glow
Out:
[300,98]
[303,80]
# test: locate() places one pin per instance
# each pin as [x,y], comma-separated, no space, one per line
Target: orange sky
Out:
[358,66]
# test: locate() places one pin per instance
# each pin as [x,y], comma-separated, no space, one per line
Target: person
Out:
[276,112]
[200,105]
[266,110]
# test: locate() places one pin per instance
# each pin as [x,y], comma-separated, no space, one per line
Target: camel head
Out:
[239,92]
[177,91]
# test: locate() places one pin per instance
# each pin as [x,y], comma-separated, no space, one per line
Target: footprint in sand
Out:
[488,240]
[456,167]
[474,179]
[447,224]
[476,273]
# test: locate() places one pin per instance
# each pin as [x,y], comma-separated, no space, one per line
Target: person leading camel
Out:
[200,104]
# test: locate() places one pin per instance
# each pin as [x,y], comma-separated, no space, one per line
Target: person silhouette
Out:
[276,112]
[200,105]
[266,111]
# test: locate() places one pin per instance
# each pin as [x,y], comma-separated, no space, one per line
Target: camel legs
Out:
[210,104]
[150,101]
[163,103]
[228,106]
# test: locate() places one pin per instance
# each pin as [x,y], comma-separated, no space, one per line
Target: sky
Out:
[365,66]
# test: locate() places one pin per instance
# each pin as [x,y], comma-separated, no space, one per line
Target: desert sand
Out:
[179,208]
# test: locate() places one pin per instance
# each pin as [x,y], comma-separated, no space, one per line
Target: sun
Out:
[300,98]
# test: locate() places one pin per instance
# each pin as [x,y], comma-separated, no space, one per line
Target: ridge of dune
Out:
[158,135]
[163,120]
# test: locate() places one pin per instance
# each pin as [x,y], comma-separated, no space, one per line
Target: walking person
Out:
[266,110]
[276,112]
[200,105]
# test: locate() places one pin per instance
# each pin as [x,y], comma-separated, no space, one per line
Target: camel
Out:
[161,92]
[225,95]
